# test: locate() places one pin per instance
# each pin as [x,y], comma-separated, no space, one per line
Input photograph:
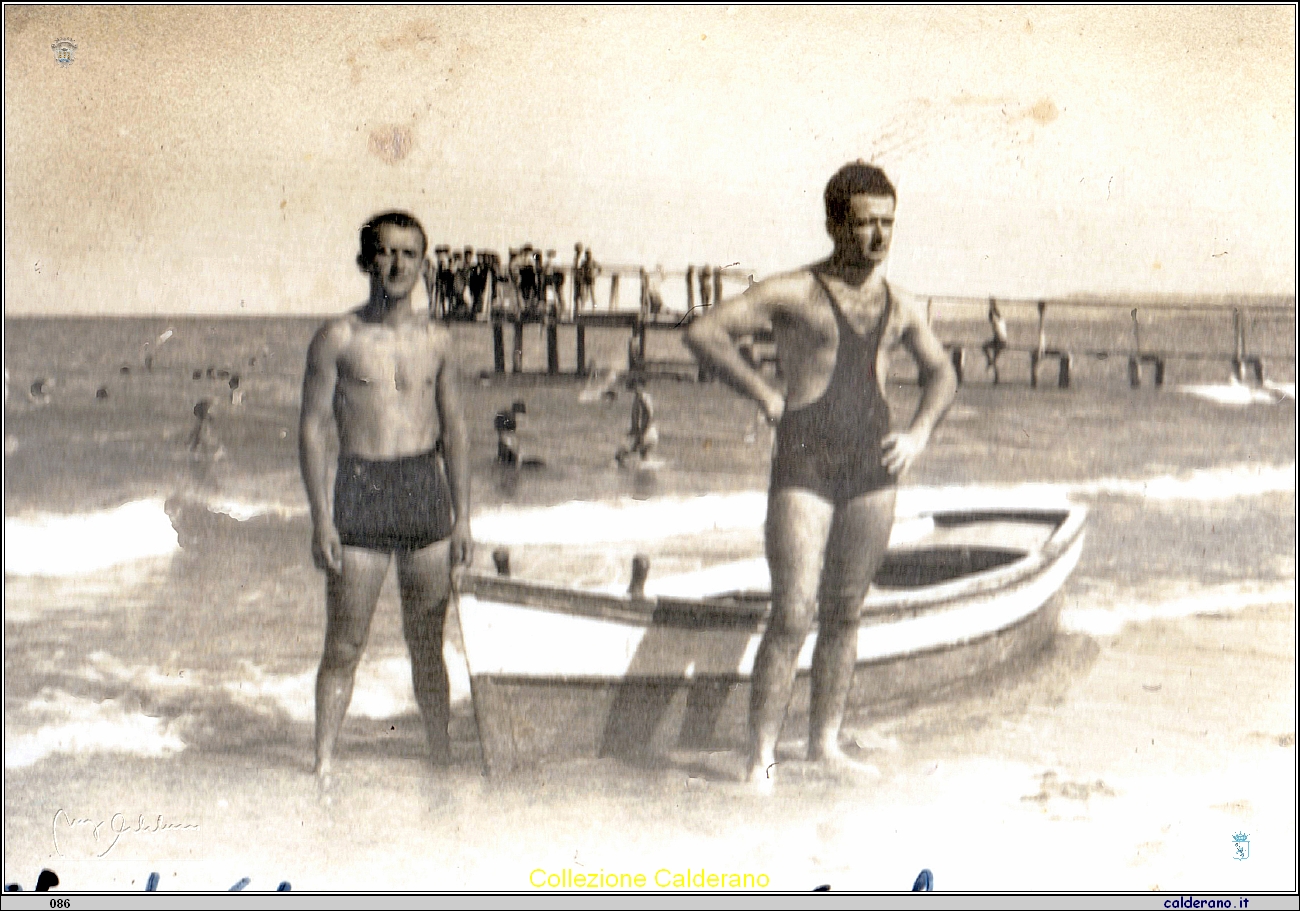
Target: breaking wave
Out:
[1227,598]
[581,523]
[1241,394]
[146,711]
[50,544]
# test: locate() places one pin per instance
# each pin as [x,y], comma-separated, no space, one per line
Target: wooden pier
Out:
[704,286]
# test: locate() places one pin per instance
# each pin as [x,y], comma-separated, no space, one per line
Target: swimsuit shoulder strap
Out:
[835,305]
[887,313]
[882,322]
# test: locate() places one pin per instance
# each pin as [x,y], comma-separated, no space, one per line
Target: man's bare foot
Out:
[324,782]
[873,740]
[836,762]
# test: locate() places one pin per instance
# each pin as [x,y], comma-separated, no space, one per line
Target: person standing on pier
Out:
[527,281]
[994,347]
[382,379]
[446,282]
[552,285]
[576,277]
[479,273]
[706,285]
[590,269]
[836,460]
[652,295]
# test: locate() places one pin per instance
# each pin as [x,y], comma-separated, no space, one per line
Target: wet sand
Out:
[1121,765]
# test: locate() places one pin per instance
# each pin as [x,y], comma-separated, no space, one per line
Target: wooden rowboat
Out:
[557,672]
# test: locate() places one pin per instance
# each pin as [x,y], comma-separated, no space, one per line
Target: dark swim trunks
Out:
[401,504]
[832,446]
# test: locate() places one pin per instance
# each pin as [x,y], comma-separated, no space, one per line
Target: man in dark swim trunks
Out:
[835,463]
[383,378]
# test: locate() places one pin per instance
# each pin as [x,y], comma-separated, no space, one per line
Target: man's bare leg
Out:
[856,547]
[425,578]
[350,599]
[798,523]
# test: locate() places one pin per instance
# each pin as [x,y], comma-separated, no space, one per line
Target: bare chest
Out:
[382,359]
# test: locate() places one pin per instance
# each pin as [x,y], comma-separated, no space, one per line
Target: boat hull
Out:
[559,674]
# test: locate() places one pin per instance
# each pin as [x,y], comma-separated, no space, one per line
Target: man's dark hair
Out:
[370,234]
[853,180]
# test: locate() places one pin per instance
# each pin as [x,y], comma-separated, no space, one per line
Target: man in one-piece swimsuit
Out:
[383,379]
[835,461]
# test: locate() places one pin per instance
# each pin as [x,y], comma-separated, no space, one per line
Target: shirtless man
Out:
[835,463]
[384,379]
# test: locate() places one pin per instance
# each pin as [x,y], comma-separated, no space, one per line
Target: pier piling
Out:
[498,344]
[552,345]
[517,356]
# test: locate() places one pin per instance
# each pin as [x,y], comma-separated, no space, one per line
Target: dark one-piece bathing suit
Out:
[398,504]
[832,446]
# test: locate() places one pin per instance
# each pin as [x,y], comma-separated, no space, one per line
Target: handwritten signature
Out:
[111,830]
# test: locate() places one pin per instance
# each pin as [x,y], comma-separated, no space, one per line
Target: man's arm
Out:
[455,453]
[315,434]
[938,381]
[711,339]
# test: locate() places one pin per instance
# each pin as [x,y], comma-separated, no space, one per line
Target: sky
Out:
[221,159]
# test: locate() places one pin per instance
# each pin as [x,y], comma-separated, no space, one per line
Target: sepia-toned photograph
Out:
[667,449]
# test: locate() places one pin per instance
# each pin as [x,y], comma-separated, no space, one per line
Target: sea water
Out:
[159,600]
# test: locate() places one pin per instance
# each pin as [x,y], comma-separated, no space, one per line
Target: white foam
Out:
[244,510]
[85,726]
[582,523]
[48,544]
[1235,393]
[1203,485]
[1200,485]
[1226,598]
[622,520]
[629,520]
[71,724]
[382,689]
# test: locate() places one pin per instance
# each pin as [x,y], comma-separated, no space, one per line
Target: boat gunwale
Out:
[595,681]
[713,613]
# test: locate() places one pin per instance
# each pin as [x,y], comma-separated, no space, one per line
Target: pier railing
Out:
[1149,336]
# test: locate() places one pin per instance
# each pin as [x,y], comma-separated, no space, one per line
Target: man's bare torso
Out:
[807,333]
[385,402]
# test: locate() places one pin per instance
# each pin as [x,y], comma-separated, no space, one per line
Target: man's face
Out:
[868,227]
[399,255]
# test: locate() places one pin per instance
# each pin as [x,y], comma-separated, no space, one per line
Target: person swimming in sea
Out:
[203,441]
[643,434]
